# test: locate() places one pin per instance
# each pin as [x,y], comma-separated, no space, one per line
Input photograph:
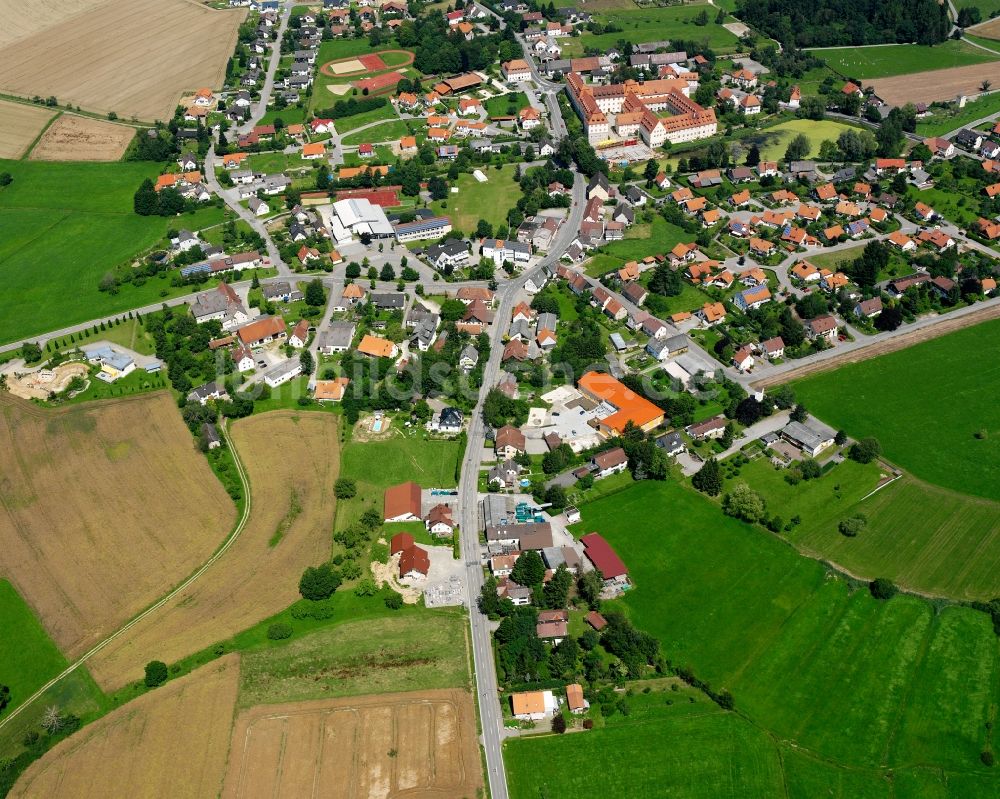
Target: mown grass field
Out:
[382,114]
[924,404]
[659,750]
[391,130]
[901,59]
[652,24]
[411,652]
[63,226]
[376,465]
[28,657]
[474,201]
[832,671]
[774,141]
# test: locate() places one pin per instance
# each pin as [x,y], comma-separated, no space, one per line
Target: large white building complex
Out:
[622,111]
[355,216]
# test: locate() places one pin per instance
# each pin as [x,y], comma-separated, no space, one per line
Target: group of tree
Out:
[827,23]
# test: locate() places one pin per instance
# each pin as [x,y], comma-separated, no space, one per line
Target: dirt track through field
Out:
[75,138]
[938,84]
[20,124]
[882,347]
[103,508]
[292,460]
[420,744]
[133,57]
[170,742]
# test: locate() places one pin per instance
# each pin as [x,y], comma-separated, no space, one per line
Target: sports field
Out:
[63,226]
[774,141]
[884,61]
[925,404]
[651,24]
[474,201]
[831,671]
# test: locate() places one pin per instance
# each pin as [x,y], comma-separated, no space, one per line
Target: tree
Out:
[841,438]
[852,525]
[559,723]
[452,310]
[749,412]
[556,591]
[156,673]
[865,451]
[799,413]
[882,588]
[753,155]
[315,296]
[484,229]
[353,271]
[589,586]
[52,720]
[387,273]
[4,696]
[345,488]
[6,179]
[708,479]
[145,201]
[318,582]
[393,600]
[890,318]
[306,361]
[31,352]
[438,188]
[744,503]
[798,148]
[651,170]
[528,569]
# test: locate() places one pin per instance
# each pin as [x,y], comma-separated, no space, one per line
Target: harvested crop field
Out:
[20,125]
[377,746]
[133,57]
[989,29]
[103,507]
[73,138]
[172,741]
[938,84]
[292,460]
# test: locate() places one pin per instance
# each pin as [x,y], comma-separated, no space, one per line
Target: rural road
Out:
[237,530]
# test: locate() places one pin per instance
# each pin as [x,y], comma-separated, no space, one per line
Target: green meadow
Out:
[853,686]
[884,61]
[925,404]
[63,226]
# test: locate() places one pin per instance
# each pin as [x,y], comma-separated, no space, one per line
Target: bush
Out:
[559,723]
[882,588]
[987,758]
[319,582]
[366,587]
[588,724]
[852,525]
[345,488]
[865,451]
[393,600]
[279,631]
[156,673]
[307,609]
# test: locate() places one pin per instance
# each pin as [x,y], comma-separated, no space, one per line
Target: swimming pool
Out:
[377,426]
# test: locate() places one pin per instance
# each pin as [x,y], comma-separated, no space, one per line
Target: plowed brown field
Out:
[20,124]
[292,460]
[133,57]
[420,744]
[939,84]
[170,742]
[103,508]
[73,138]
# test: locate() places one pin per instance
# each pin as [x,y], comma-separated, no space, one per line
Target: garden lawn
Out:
[347,124]
[944,386]
[500,105]
[272,163]
[387,131]
[474,201]
[809,660]
[901,59]
[684,749]
[646,25]
[63,226]
[28,657]
[642,240]
[954,206]
[774,141]
[376,465]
